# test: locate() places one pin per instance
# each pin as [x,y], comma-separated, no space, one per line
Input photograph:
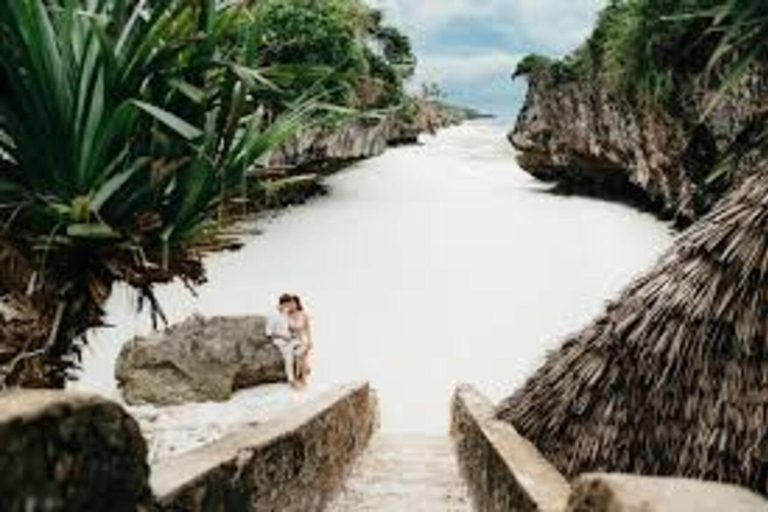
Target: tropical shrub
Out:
[742,30]
[124,128]
[532,64]
[365,61]
[647,49]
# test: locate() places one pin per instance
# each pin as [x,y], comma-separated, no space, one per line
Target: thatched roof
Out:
[673,378]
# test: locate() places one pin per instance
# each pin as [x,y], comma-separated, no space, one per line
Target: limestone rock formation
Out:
[360,139]
[65,452]
[577,131]
[365,138]
[198,360]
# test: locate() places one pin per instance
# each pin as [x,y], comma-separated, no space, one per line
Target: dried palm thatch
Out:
[673,378]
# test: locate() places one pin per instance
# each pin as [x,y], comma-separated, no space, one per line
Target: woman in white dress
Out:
[292,334]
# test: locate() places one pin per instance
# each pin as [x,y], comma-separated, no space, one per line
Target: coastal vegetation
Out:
[650,49]
[675,93]
[340,47]
[127,126]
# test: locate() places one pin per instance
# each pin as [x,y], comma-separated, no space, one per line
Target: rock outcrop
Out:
[198,360]
[581,133]
[331,146]
[362,138]
[63,452]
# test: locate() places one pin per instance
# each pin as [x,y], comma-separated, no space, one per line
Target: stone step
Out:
[404,473]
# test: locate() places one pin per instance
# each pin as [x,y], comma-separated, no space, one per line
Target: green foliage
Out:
[366,62]
[742,28]
[531,65]
[123,132]
[647,49]
[306,32]
[651,50]
[397,50]
[644,45]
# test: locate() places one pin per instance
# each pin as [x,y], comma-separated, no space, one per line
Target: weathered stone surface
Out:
[632,493]
[68,452]
[405,473]
[364,138]
[198,360]
[293,464]
[579,132]
[503,470]
[352,141]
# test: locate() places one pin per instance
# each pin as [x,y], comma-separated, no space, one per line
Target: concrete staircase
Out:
[404,474]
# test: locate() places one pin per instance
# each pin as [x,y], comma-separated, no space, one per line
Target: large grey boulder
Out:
[65,452]
[198,360]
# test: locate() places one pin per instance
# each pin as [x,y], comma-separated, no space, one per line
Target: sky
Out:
[471,47]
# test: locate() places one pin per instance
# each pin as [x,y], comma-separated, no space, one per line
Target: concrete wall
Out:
[294,464]
[69,452]
[504,471]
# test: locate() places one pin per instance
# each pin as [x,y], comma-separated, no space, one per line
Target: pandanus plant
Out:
[125,126]
[740,30]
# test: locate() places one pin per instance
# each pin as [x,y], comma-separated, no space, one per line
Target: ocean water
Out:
[426,267]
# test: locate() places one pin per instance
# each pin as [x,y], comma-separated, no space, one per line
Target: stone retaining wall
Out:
[503,470]
[294,464]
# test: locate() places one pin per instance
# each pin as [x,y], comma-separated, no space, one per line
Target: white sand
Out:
[426,267]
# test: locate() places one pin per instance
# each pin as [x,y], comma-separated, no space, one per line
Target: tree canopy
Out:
[357,60]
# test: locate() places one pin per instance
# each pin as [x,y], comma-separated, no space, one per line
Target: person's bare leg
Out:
[289,360]
[297,381]
[303,368]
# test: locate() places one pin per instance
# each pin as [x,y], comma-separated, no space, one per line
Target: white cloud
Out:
[466,69]
[478,69]
[556,24]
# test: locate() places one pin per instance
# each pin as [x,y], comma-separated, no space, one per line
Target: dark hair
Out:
[287,298]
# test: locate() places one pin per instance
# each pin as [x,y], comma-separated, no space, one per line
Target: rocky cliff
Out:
[332,146]
[579,132]
[320,146]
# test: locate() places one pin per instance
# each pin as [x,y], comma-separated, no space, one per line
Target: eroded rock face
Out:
[360,139]
[578,132]
[62,452]
[198,360]
[363,138]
